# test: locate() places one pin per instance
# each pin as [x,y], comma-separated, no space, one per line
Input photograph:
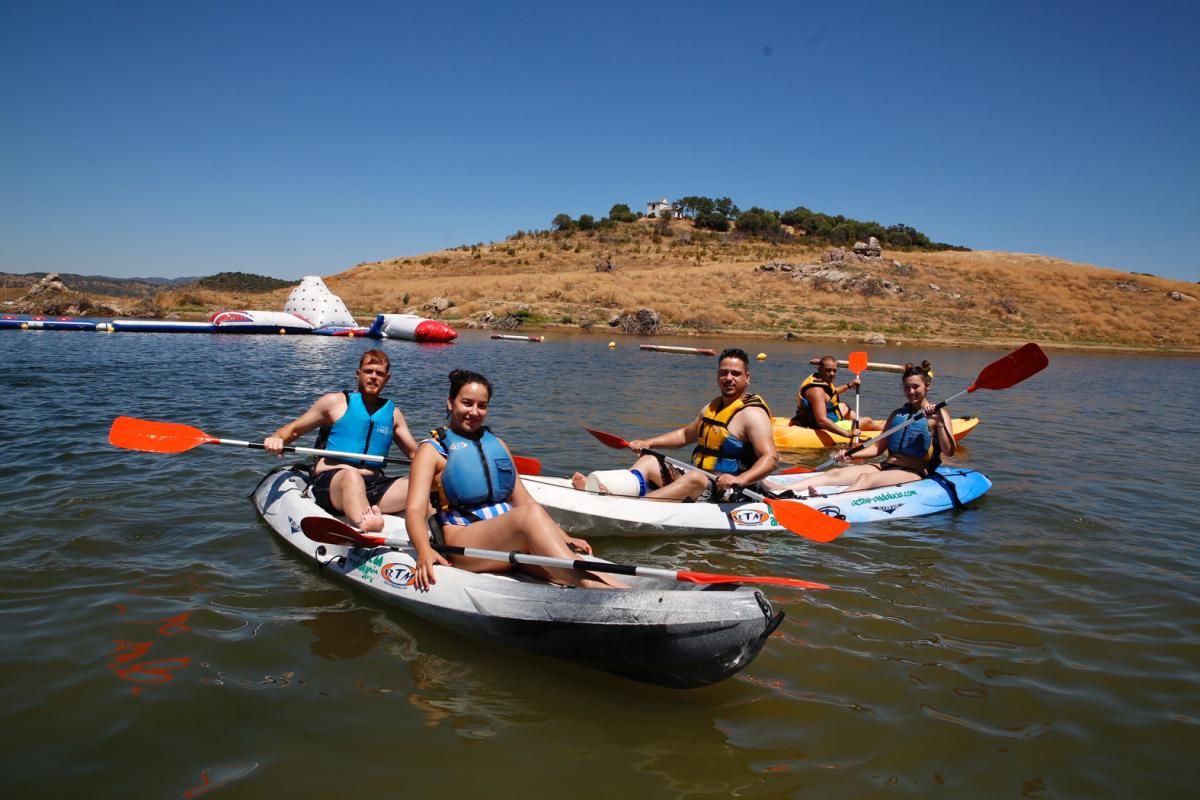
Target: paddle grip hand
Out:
[272,444]
[726,482]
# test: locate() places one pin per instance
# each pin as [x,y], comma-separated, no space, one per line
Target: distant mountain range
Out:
[14,285]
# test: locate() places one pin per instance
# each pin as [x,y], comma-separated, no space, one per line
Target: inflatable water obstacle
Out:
[310,309]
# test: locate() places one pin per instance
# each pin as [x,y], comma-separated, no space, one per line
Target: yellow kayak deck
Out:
[793,437]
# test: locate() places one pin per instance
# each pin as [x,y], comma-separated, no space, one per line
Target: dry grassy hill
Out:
[706,282]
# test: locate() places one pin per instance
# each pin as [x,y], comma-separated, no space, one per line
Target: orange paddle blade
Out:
[806,521]
[708,577]
[332,531]
[155,437]
[1015,367]
[610,439]
[527,465]
[858,362]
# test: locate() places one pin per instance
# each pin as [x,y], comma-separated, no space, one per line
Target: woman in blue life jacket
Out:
[467,473]
[912,452]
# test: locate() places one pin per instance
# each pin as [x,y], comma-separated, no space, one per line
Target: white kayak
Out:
[659,631]
[587,513]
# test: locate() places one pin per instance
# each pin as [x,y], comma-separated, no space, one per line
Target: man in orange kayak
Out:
[733,439]
[355,422]
[819,404]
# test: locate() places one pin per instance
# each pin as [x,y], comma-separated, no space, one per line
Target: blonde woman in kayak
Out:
[913,452]
[467,473]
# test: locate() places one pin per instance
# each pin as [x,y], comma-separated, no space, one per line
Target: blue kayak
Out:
[947,488]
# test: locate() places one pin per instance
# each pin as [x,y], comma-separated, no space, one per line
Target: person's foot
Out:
[372,520]
[579,481]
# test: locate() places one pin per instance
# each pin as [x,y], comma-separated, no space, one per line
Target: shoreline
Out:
[945,343]
[726,334]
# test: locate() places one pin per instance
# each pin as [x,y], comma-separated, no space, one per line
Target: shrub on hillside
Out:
[243,282]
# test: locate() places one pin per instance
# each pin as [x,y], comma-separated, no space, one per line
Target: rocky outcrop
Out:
[874,338]
[489,321]
[869,248]
[1180,296]
[777,266]
[51,297]
[644,322]
[437,305]
[839,270]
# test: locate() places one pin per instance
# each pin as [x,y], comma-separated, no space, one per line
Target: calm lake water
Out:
[159,643]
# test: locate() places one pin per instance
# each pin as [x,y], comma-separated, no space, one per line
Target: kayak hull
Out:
[658,631]
[793,437]
[946,489]
[590,514]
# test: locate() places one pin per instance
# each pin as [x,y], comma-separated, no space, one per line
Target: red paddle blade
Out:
[807,521]
[1015,367]
[328,530]
[609,439]
[795,470]
[708,577]
[858,362]
[527,465]
[155,437]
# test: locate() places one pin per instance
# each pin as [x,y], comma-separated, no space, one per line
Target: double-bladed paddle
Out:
[149,436]
[793,515]
[328,530]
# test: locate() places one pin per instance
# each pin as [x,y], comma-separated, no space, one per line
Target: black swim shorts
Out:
[377,486]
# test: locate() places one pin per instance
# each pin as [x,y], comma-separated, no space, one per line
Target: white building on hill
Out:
[655,206]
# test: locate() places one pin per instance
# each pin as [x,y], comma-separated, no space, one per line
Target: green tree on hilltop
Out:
[621,213]
[758,222]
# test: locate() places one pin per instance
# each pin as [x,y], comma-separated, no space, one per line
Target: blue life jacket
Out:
[479,475]
[358,431]
[915,441]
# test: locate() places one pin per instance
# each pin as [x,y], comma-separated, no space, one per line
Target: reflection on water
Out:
[343,634]
[1045,642]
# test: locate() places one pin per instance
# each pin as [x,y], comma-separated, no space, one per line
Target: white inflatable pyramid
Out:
[312,301]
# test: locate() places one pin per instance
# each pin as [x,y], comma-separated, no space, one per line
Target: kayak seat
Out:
[435,532]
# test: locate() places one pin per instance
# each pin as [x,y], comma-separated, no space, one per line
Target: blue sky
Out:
[292,138]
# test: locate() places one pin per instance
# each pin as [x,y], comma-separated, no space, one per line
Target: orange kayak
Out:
[792,437]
